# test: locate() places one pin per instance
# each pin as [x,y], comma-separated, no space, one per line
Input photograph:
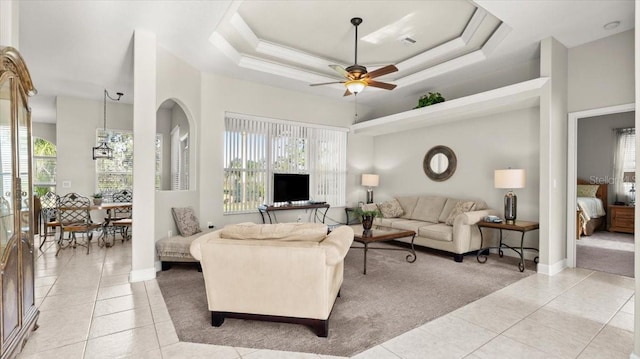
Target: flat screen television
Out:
[289,187]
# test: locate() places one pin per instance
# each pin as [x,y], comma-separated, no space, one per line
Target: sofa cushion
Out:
[461,207]
[391,209]
[408,204]
[186,221]
[388,222]
[308,232]
[438,232]
[428,208]
[411,225]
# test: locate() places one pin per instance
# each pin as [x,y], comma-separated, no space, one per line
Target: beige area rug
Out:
[393,298]
[606,252]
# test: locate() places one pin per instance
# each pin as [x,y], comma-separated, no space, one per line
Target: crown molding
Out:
[292,55]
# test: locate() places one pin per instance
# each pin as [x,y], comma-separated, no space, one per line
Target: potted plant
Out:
[97,198]
[431,99]
[367,216]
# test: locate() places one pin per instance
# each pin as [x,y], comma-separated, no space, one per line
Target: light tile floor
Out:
[88,309]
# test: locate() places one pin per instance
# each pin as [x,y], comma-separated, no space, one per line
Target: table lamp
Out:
[509,179]
[369,181]
[630,177]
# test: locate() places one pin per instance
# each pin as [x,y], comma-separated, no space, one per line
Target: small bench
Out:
[176,249]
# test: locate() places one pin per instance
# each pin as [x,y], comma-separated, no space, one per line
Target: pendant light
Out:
[103,150]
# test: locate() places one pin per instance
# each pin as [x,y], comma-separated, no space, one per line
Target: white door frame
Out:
[572,170]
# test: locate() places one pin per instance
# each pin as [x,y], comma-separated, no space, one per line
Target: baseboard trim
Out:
[142,275]
[158,265]
[634,356]
[553,269]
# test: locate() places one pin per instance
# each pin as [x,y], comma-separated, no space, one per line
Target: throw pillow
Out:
[391,209]
[186,221]
[587,190]
[461,207]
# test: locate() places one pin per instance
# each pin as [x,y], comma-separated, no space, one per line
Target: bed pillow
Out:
[391,209]
[186,221]
[587,190]
[461,207]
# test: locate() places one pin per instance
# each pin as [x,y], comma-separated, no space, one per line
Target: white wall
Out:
[596,147]
[481,145]
[46,131]
[636,322]
[601,73]
[143,266]
[77,122]
[553,157]
[222,94]
[511,74]
[180,82]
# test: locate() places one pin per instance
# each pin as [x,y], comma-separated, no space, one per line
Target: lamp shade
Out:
[629,177]
[355,86]
[509,178]
[370,180]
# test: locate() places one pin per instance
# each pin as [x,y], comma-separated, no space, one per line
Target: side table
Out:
[518,226]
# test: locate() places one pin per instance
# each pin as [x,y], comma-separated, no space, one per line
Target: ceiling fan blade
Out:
[339,69]
[347,93]
[382,71]
[327,83]
[382,85]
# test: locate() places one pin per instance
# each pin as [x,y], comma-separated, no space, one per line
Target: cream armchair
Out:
[288,272]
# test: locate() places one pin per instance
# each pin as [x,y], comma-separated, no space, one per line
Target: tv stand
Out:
[270,210]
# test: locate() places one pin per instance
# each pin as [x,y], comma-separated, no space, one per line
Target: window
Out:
[255,148]
[44,166]
[116,174]
[179,160]
[624,162]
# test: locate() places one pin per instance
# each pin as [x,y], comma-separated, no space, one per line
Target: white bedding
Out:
[591,208]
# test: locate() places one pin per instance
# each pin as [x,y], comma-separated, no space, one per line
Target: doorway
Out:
[592,162]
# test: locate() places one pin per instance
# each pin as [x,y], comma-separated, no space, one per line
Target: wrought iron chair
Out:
[120,218]
[73,215]
[48,216]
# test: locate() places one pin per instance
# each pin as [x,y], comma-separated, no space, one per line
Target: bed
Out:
[592,214]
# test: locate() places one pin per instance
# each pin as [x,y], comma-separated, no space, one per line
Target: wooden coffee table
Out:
[382,234]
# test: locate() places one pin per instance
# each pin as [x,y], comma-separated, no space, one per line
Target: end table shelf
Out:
[518,226]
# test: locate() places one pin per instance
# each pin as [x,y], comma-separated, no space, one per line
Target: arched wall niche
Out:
[175,125]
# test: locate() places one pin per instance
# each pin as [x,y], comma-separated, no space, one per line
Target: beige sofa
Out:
[288,272]
[427,216]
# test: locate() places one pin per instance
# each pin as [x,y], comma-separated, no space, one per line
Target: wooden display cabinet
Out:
[18,312]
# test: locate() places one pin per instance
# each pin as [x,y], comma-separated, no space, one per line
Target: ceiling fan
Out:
[357,77]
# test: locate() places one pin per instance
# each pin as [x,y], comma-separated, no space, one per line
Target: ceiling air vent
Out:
[407,41]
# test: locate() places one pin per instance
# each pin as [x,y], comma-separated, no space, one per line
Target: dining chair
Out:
[74,218]
[48,216]
[120,218]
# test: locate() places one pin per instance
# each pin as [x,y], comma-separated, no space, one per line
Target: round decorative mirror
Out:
[439,163]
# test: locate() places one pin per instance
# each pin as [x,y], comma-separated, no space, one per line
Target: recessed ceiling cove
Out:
[430,39]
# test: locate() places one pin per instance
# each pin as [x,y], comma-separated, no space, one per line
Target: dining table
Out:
[109,208]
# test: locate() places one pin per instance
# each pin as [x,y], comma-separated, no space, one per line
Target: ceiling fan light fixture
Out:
[355,86]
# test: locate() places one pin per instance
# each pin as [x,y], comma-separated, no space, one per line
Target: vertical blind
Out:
[255,148]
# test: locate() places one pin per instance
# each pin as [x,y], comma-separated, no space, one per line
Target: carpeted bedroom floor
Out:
[606,252]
